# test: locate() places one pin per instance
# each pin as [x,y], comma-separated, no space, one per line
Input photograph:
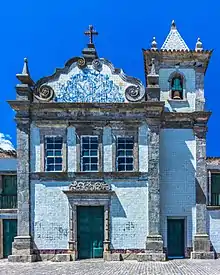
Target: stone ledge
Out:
[62,258]
[142,257]
[22,258]
[55,257]
[202,255]
[112,257]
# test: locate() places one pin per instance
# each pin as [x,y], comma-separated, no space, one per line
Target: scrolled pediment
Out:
[98,82]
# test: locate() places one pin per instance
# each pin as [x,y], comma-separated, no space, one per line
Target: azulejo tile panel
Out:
[99,82]
[89,85]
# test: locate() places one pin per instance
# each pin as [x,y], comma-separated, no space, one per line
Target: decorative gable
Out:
[96,82]
[87,79]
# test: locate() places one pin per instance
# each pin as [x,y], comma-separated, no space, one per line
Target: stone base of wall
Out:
[202,247]
[203,255]
[157,256]
[57,255]
[133,254]
[22,250]
[54,255]
[22,258]
[140,257]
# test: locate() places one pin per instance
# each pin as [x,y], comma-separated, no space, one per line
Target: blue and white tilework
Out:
[89,85]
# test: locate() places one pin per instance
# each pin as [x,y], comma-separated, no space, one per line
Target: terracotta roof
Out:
[174,41]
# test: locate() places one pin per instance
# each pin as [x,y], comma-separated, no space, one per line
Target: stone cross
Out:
[91,32]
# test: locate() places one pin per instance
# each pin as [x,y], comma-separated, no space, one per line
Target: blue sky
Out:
[51,32]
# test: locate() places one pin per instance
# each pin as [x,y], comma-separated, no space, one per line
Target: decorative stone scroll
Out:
[81,62]
[44,93]
[97,65]
[89,186]
[134,93]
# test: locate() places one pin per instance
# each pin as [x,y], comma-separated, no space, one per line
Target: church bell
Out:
[177,88]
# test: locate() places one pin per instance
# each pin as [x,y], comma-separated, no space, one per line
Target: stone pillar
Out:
[201,242]
[22,248]
[154,244]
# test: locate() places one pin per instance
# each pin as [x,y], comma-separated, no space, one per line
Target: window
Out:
[215,189]
[177,87]
[124,154]
[53,153]
[89,153]
[8,197]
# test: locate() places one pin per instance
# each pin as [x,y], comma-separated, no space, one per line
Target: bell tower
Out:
[180,73]
[175,76]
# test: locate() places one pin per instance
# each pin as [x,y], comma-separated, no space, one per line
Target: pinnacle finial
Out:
[25,77]
[25,70]
[173,25]
[199,45]
[154,44]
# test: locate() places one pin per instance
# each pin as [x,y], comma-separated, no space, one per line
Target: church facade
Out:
[108,168]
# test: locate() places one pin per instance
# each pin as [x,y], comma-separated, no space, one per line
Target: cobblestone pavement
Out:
[174,267]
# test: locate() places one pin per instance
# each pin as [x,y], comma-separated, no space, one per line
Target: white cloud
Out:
[5,143]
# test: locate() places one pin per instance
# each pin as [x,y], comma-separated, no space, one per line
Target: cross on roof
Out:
[91,32]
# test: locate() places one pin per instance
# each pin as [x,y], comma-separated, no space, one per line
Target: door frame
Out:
[91,199]
[185,230]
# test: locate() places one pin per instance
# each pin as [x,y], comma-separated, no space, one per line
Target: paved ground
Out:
[174,267]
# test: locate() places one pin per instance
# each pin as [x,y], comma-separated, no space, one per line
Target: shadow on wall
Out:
[117,210]
[177,171]
[177,176]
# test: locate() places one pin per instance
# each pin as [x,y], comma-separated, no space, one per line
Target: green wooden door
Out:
[9,232]
[175,238]
[90,231]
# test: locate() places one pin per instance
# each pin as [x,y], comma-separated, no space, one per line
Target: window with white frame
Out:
[53,153]
[124,154]
[89,153]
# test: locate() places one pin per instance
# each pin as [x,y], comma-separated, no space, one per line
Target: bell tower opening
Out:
[177,87]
